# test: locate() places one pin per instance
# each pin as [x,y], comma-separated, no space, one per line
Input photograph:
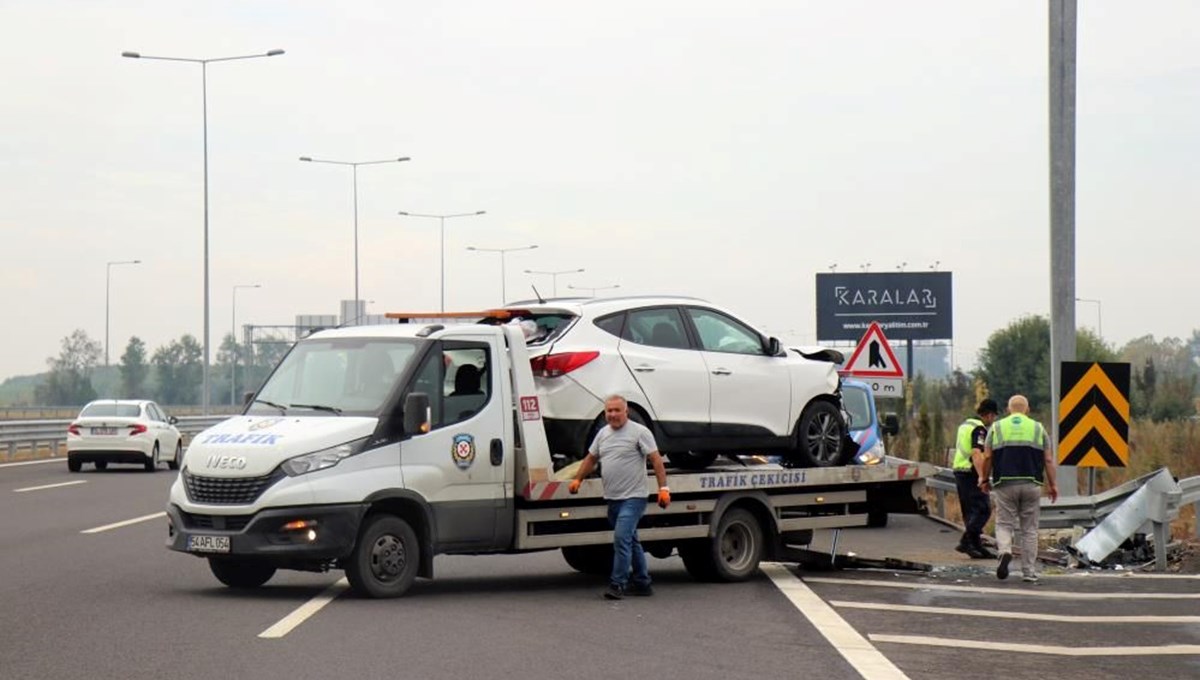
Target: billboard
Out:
[907,305]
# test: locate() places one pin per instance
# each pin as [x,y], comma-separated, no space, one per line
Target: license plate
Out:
[104,430]
[208,544]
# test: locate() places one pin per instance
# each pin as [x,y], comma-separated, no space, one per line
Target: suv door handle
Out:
[643,369]
[722,371]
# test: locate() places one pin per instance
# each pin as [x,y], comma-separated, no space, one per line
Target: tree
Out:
[134,369]
[1164,376]
[1016,359]
[179,371]
[70,379]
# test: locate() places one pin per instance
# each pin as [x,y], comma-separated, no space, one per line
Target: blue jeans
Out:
[623,517]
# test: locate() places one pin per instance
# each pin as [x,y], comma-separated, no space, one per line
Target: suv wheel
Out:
[820,436]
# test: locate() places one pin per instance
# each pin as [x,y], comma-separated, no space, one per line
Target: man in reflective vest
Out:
[1018,463]
[968,470]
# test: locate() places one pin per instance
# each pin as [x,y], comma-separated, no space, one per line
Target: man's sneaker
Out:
[640,590]
[614,592]
[963,548]
[1002,568]
[1030,578]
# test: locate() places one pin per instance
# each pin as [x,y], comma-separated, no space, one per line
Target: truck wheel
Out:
[596,560]
[385,560]
[820,435]
[737,546]
[697,559]
[239,573]
[691,460]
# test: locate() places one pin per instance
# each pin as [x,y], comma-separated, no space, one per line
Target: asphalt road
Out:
[114,603]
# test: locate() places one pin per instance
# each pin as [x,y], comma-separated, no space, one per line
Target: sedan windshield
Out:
[855,401]
[335,376]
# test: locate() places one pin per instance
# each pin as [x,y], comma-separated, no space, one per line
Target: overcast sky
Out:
[724,150]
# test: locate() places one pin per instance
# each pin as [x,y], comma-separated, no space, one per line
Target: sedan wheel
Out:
[173,464]
[153,462]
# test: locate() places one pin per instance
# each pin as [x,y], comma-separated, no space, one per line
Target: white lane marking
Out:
[32,462]
[125,523]
[1022,616]
[1018,591]
[306,610]
[853,647]
[50,486]
[976,645]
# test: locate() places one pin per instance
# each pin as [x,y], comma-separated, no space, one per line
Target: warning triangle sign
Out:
[873,358]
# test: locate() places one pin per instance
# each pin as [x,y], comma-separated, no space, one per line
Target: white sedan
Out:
[123,431]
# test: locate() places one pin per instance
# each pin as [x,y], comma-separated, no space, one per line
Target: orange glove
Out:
[664,497]
[573,487]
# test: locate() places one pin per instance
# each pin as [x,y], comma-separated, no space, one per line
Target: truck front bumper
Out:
[296,536]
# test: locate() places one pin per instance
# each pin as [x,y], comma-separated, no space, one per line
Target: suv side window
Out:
[721,333]
[657,327]
[612,324]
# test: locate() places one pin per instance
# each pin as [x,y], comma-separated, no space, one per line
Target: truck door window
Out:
[458,379]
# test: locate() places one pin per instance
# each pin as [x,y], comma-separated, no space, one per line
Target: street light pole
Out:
[593,289]
[1099,322]
[442,220]
[205,397]
[233,332]
[554,277]
[107,278]
[354,174]
[502,251]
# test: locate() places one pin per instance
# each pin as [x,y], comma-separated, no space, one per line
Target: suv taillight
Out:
[73,428]
[136,428]
[554,365]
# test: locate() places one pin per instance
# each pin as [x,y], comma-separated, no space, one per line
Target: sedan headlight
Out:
[873,455]
[325,458]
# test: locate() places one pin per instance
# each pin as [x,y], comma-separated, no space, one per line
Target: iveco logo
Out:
[227,462]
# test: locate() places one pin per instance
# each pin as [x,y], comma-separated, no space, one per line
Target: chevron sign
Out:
[1093,414]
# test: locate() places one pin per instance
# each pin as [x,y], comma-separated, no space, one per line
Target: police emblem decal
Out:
[462,450]
[264,424]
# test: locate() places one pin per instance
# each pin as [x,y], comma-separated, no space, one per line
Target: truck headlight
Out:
[319,460]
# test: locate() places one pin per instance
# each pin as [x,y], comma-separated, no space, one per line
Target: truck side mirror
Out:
[891,424]
[416,413]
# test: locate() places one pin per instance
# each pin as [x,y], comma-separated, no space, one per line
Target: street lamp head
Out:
[472,248]
[137,262]
[402,159]
[131,55]
[481,212]
[403,213]
[274,53]
[306,159]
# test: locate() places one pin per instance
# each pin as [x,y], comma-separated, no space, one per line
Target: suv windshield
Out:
[111,411]
[854,398]
[335,376]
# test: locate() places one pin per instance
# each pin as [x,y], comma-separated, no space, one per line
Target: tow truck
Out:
[363,452]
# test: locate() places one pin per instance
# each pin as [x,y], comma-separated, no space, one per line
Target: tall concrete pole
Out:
[1062,211]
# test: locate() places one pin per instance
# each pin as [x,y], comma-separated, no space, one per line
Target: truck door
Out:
[455,465]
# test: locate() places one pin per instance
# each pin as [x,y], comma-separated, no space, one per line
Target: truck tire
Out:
[732,554]
[820,436]
[240,573]
[596,560]
[691,460]
[385,559]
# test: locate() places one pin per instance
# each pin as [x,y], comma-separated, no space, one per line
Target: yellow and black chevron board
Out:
[1093,414]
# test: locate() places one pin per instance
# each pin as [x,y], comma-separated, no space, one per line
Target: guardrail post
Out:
[940,504]
[1162,534]
[1196,517]
[54,449]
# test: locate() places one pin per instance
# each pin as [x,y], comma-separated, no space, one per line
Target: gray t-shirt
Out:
[623,455]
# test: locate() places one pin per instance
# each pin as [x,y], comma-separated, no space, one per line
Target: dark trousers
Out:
[975,506]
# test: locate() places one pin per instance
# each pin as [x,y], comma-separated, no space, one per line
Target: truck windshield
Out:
[855,399]
[335,376]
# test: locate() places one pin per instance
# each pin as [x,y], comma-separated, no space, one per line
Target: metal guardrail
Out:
[1085,511]
[11,413]
[16,435]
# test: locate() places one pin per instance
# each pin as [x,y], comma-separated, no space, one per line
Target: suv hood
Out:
[253,446]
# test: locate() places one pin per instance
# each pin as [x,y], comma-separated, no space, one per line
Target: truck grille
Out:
[222,522]
[226,490]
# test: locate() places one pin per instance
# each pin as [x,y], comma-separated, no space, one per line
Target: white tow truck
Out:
[374,448]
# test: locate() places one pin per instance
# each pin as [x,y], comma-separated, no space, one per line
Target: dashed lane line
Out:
[31,462]
[125,523]
[305,611]
[853,647]
[977,645]
[1022,616]
[1017,591]
[50,486]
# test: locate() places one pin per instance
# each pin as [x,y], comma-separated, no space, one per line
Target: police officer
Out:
[968,470]
[1018,463]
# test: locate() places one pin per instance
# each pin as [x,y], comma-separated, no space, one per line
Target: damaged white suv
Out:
[704,381]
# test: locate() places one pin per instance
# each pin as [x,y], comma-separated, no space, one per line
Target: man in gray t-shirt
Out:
[623,446]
